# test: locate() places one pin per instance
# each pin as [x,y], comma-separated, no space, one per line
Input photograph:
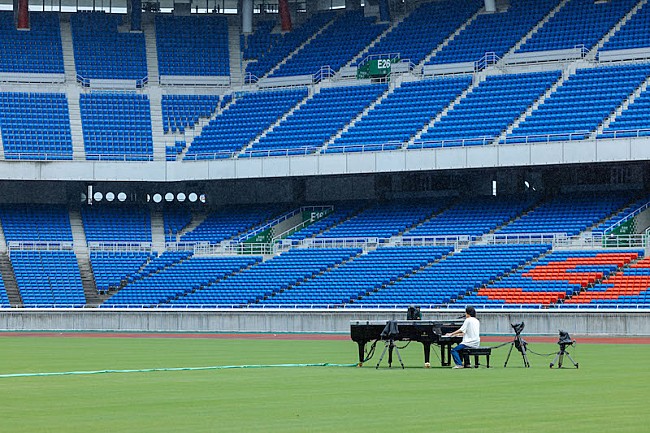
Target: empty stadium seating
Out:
[578,23]
[634,34]
[582,96]
[414,37]
[103,52]
[37,51]
[183,111]
[267,279]
[35,126]
[633,121]
[400,115]
[178,279]
[313,124]
[334,47]
[116,126]
[192,45]
[48,278]
[243,120]
[480,36]
[111,268]
[487,110]
[35,223]
[116,224]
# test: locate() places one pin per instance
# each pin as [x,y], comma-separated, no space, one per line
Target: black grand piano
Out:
[427,332]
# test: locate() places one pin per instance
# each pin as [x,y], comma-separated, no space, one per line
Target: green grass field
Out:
[608,393]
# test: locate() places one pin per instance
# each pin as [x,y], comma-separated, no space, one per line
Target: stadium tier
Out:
[192,46]
[35,223]
[101,51]
[479,37]
[113,268]
[184,111]
[110,224]
[634,34]
[35,126]
[38,51]
[414,38]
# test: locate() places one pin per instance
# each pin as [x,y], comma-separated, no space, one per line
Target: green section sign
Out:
[375,68]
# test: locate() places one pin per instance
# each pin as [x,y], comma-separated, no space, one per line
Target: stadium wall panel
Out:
[606,323]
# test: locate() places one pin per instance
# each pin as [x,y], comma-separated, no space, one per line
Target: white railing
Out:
[562,240]
[36,245]
[120,246]
[363,243]
[229,248]
[488,59]
[626,218]
[433,241]
[325,209]
[625,133]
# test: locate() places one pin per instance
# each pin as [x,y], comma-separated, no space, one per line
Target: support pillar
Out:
[247,16]
[285,15]
[22,14]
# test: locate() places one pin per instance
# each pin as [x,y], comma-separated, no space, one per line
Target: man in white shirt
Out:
[470,332]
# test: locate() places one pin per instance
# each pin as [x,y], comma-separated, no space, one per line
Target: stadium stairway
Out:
[300,47]
[9,279]
[197,220]
[82,253]
[533,107]
[593,51]
[157,133]
[624,106]
[157,231]
[234,46]
[68,50]
[419,67]
[76,130]
[151,49]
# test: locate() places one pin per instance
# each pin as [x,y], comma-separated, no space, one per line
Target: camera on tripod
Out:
[564,341]
[413,313]
[518,343]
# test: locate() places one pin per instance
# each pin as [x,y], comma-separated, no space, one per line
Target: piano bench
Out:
[476,352]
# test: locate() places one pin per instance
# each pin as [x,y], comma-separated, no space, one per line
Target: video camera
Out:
[517,327]
[565,339]
[413,313]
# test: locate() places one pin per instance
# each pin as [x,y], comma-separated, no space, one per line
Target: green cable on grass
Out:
[151,370]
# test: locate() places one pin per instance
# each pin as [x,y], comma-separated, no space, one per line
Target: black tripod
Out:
[559,357]
[390,346]
[518,343]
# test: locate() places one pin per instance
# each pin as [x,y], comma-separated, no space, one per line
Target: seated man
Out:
[470,332]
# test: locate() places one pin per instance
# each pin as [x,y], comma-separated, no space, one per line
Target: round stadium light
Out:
[98,196]
[121,196]
[110,196]
[181,197]
[83,197]
[157,198]
[193,197]
[202,198]
[169,196]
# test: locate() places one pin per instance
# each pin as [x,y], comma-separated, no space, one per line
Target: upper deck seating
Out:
[578,23]
[322,116]
[400,115]
[415,37]
[582,97]
[334,47]
[192,45]
[243,120]
[634,34]
[283,45]
[482,36]
[101,51]
[634,121]
[35,126]
[116,126]
[37,51]
[488,110]
[184,111]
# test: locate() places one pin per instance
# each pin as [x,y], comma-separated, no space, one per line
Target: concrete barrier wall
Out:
[492,322]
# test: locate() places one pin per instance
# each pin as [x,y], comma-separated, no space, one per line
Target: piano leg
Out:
[445,354]
[362,346]
[427,353]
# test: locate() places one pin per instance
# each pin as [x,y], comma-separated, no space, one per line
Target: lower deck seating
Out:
[48,278]
[110,268]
